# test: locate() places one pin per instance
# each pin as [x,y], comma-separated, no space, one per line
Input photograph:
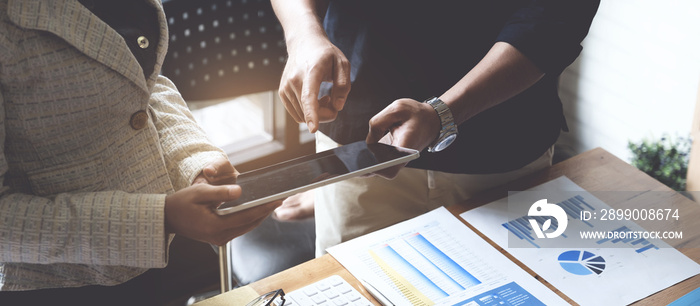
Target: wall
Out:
[637,76]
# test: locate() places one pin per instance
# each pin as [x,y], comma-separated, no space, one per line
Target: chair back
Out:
[223,48]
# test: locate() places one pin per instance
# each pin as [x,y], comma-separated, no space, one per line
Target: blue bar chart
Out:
[419,269]
[521,228]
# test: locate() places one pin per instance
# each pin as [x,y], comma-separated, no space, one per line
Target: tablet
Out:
[297,175]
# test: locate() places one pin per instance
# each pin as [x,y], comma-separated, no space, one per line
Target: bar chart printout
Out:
[421,271]
[617,271]
[430,263]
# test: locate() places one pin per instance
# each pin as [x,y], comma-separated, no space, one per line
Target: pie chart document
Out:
[581,262]
[610,274]
[434,259]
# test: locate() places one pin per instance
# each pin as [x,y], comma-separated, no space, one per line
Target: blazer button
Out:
[138,120]
[143,42]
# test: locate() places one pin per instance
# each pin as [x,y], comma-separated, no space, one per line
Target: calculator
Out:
[331,291]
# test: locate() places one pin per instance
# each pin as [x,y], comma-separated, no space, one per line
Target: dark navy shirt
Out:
[419,49]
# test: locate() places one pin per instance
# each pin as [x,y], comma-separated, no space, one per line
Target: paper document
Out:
[612,272]
[434,259]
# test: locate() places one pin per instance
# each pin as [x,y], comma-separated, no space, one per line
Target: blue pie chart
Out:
[581,262]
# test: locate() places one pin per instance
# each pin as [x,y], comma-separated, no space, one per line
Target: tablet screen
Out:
[304,173]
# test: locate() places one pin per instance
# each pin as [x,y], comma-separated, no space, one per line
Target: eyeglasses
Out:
[272,298]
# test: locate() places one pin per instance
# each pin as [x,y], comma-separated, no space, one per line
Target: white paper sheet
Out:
[622,275]
[434,259]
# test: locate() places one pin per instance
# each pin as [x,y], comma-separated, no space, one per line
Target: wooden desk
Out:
[595,170]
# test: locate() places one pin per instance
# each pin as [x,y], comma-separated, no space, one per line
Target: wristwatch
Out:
[448,129]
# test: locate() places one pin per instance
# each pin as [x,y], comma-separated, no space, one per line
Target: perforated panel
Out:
[223,48]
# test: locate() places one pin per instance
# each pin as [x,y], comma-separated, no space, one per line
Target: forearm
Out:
[185,146]
[300,18]
[503,73]
[110,228]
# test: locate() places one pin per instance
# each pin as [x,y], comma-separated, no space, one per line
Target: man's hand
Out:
[405,123]
[297,207]
[190,212]
[313,59]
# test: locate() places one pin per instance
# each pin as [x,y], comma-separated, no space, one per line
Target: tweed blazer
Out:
[82,199]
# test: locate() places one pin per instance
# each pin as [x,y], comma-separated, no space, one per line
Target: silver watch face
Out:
[444,143]
[448,132]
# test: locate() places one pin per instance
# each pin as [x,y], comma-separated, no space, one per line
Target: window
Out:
[254,130]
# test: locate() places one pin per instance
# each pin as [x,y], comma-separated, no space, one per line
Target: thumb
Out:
[209,172]
[220,172]
[378,128]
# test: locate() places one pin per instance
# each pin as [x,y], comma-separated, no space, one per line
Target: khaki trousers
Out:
[357,206]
